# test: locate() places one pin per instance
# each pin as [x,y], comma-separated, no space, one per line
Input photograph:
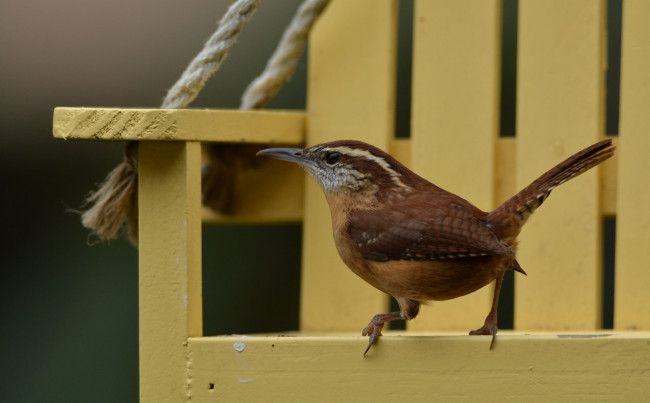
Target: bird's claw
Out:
[489,328]
[374,331]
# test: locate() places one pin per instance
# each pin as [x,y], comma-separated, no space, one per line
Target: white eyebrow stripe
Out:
[378,160]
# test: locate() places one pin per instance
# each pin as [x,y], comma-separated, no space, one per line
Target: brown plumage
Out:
[415,241]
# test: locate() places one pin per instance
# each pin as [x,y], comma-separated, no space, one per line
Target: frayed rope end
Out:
[115,202]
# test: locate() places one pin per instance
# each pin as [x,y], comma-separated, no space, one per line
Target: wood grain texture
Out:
[408,368]
[352,59]
[632,304]
[560,104]
[170,293]
[264,127]
[456,76]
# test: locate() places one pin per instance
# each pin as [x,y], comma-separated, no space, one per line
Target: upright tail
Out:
[520,206]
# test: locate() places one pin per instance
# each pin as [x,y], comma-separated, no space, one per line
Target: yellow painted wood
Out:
[632,305]
[456,76]
[351,96]
[506,168]
[560,101]
[170,265]
[609,183]
[270,192]
[400,149]
[265,127]
[415,368]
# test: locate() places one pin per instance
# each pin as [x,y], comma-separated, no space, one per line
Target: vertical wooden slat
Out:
[456,76]
[632,305]
[351,96]
[505,169]
[560,104]
[170,265]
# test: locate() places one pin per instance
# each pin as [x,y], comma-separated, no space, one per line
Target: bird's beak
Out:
[287,154]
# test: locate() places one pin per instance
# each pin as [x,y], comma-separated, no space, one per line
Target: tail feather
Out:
[524,203]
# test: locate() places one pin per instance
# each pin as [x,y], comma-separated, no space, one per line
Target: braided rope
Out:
[214,52]
[227,161]
[116,199]
[284,60]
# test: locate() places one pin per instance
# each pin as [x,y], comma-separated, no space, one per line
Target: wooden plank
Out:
[506,168]
[267,191]
[456,75]
[609,183]
[400,149]
[408,368]
[235,126]
[170,265]
[351,95]
[632,305]
[560,104]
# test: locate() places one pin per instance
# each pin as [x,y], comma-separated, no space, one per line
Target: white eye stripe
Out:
[352,152]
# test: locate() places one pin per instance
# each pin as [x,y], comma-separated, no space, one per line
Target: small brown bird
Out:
[415,241]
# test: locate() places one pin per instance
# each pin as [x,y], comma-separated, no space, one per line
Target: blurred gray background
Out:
[69,310]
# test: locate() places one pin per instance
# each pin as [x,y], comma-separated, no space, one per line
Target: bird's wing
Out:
[450,231]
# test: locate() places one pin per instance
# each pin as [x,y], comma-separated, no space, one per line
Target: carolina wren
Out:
[415,241]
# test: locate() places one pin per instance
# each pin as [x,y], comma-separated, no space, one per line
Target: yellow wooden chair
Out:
[557,350]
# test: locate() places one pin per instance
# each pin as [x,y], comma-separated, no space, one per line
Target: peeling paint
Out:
[239,346]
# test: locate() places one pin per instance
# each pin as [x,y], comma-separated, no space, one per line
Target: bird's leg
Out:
[490,325]
[408,310]
[376,325]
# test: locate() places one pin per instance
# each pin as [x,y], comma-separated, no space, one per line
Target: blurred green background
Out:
[69,311]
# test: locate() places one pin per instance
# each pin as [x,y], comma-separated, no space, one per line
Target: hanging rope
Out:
[284,60]
[116,200]
[226,161]
[213,54]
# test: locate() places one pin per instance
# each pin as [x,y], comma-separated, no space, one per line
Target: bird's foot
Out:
[490,327]
[373,330]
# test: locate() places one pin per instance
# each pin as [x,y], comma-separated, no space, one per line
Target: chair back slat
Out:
[352,59]
[632,301]
[560,105]
[455,121]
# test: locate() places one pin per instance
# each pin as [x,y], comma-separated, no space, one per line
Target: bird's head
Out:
[349,168]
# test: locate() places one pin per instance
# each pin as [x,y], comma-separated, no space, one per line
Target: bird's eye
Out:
[332,158]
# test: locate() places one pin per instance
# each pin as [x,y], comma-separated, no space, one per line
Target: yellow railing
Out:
[455,144]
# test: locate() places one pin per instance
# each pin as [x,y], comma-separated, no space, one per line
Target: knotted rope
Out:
[116,199]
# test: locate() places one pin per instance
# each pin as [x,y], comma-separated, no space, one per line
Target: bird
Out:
[414,240]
